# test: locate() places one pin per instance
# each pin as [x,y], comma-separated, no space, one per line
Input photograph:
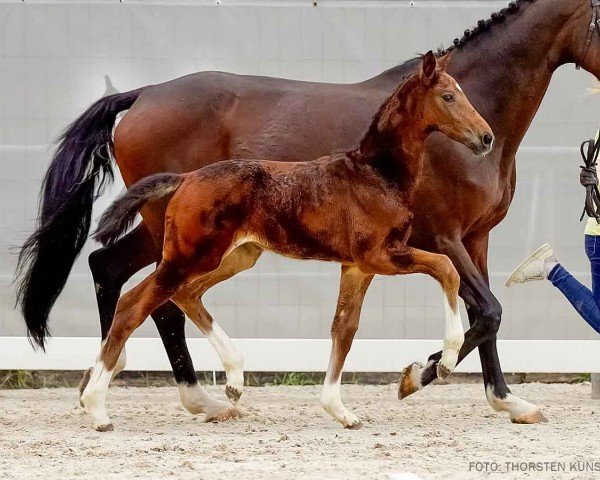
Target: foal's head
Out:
[435,101]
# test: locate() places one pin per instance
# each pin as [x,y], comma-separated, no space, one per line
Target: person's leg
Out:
[535,267]
[586,302]
[592,250]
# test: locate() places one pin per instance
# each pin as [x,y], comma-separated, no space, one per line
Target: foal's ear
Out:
[428,71]
[442,62]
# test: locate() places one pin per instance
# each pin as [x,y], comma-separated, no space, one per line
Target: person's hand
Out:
[588,176]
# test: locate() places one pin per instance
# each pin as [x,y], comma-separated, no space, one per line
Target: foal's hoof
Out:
[530,418]
[443,372]
[83,383]
[410,380]
[108,427]
[354,426]
[222,415]
[233,394]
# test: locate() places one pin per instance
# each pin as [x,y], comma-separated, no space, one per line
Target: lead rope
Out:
[589,179]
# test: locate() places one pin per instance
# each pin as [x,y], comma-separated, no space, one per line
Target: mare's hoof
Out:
[530,418]
[222,415]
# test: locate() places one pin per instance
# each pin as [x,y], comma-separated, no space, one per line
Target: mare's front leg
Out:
[484,316]
[497,392]
[353,287]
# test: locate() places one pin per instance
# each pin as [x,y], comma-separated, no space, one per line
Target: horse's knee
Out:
[449,276]
[489,317]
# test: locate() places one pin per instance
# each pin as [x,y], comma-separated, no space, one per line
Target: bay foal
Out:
[353,208]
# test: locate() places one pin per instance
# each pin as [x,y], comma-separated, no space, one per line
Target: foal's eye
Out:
[448,97]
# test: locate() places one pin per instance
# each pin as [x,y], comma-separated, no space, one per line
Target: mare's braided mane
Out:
[484,26]
[481,27]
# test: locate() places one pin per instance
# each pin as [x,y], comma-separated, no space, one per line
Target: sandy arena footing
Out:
[439,433]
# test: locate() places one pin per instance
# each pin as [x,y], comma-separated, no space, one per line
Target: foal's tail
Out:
[117,218]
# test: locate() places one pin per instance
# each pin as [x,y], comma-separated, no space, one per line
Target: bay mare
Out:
[504,65]
[354,209]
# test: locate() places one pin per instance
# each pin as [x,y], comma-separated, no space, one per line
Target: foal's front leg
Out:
[353,286]
[440,267]
[240,259]
[485,312]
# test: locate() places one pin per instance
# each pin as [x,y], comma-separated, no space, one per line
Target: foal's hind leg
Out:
[110,272]
[132,310]
[189,299]
[353,286]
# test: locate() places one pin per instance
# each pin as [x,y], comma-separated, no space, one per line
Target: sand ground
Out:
[284,434]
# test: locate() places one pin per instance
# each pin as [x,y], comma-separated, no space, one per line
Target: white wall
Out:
[53,59]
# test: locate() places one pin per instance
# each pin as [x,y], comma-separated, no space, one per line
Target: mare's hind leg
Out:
[189,299]
[353,287]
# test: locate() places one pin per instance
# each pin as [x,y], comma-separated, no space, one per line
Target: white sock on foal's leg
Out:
[93,398]
[331,400]
[121,362]
[453,340]
[119,367]
[232,361]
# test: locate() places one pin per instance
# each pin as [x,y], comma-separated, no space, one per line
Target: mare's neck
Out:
[506,71]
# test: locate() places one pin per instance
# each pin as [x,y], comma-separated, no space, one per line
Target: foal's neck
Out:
[395,141]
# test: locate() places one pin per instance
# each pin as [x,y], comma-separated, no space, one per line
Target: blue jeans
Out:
[586,302]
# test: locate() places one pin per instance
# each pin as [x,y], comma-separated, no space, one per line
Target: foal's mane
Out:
[376,138]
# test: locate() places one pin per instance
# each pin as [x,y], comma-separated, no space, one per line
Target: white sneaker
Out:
[535,267]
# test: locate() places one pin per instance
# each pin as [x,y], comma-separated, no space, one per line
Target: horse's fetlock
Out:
[454,342]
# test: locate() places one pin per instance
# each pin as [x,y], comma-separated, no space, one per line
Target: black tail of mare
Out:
[79,170]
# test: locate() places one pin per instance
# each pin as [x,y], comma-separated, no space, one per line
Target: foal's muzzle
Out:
[483,144]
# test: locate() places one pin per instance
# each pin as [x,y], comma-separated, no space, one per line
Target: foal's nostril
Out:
[487,139]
